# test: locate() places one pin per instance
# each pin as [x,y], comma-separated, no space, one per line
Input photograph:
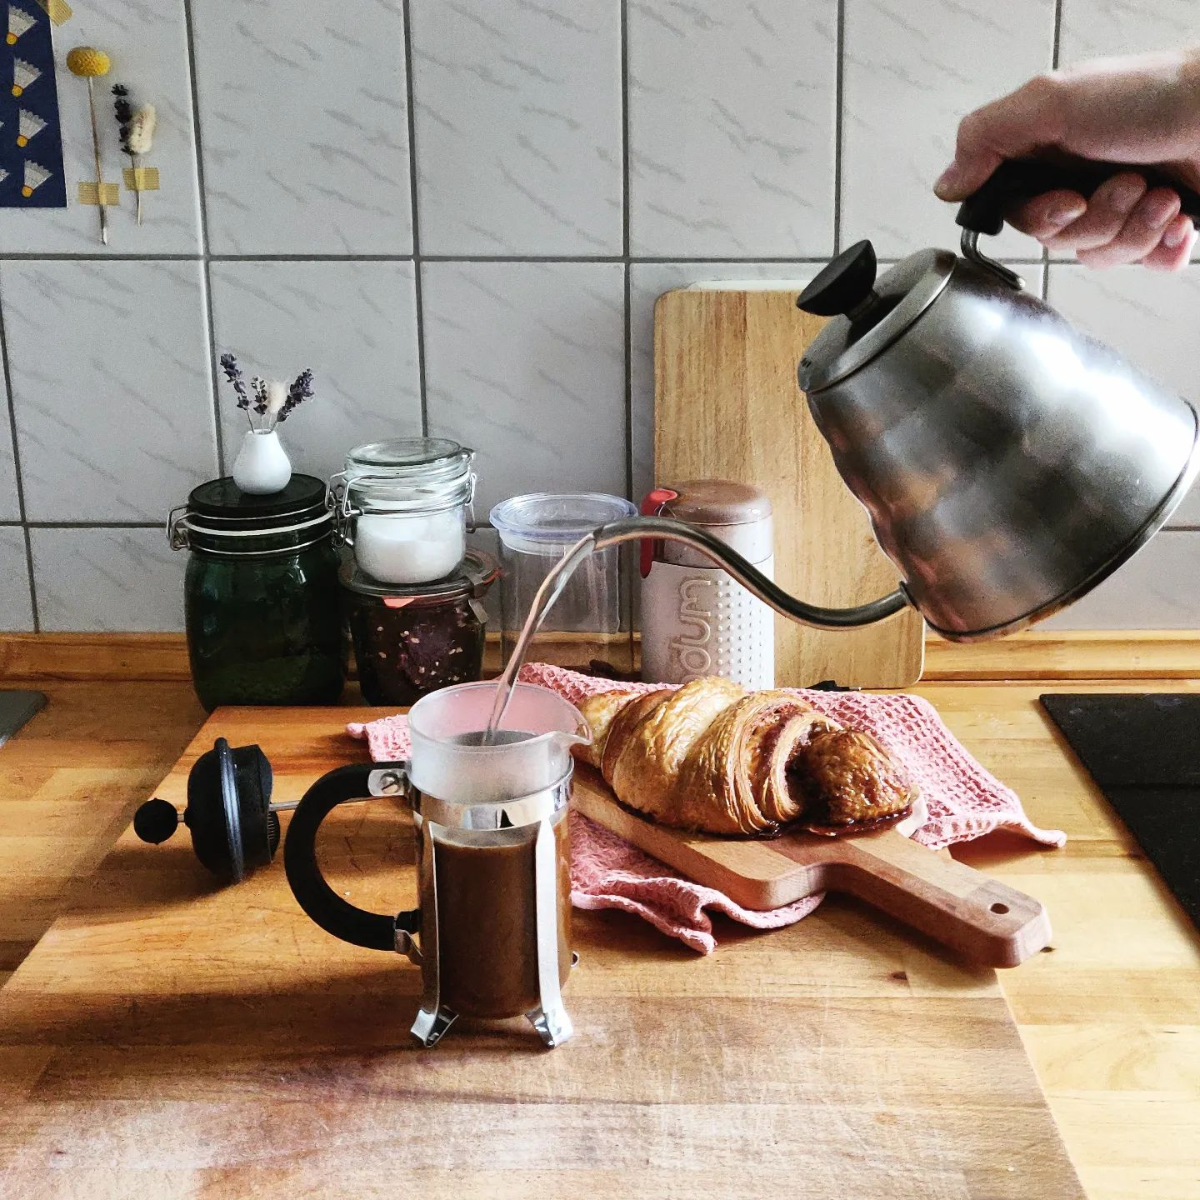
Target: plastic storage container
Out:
[590,627]
[411,641]
[260,594]
[403,506]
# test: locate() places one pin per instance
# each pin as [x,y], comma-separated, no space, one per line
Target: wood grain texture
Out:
[78,656]
[69,781]
[1031,654]
[1150,654]
[1109,1018]
[727,406]
[979,918]
[174,1038]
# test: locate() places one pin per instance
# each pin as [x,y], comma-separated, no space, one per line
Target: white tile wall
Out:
[16,607]
[912,70]
[731,128]
[1150,318]
[104,580]
[518,119]
[523,323]
[526,363]
[304,126]
[148,47]
[1156,589]
[111,389]
[354,323]
[1099,27]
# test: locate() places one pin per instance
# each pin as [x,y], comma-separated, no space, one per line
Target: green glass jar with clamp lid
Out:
[261,594]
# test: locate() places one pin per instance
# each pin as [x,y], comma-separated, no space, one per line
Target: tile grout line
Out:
[19,478]
[839,86]
[114,524]
[206,272]
[1055,53]
[626,270]
[782,259]
[417,260]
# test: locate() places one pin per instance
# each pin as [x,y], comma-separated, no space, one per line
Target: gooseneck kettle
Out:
[1008,462]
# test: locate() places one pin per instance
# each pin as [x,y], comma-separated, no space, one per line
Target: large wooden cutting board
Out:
[727,406]
[984,920]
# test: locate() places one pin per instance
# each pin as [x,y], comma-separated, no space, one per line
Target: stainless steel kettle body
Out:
[1008,462]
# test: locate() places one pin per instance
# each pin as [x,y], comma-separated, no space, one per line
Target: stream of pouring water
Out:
[549,591]
[663,528]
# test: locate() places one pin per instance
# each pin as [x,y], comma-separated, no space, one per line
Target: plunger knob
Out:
[155,821]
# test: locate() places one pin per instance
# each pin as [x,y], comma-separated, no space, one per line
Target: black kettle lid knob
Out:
[844,285]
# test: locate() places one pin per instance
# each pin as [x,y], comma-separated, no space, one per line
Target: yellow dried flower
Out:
[87,60]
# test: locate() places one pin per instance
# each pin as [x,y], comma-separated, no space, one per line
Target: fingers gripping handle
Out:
[1021,179]
[375,931]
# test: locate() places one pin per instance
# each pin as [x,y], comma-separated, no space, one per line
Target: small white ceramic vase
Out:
[262,465]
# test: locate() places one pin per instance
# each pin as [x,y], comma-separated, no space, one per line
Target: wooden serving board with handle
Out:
[727,406]
[986,921]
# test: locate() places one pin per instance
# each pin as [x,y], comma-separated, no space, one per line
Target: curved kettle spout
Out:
[635,528]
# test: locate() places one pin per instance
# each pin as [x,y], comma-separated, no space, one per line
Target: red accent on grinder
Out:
[652,506]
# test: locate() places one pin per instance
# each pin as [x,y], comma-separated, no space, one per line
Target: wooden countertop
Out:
[1110,1017]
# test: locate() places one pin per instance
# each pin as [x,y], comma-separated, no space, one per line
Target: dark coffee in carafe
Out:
[487,919]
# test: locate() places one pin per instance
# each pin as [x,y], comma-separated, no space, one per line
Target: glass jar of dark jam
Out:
[409,641]
[261,594]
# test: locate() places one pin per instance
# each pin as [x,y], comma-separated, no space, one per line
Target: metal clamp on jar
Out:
[404,507]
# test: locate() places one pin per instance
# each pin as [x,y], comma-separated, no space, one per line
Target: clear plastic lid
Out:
[545,523]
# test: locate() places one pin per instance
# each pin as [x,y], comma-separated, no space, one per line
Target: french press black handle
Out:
[375,931]
[1021,179]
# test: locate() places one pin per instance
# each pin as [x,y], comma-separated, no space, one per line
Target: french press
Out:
[492,930]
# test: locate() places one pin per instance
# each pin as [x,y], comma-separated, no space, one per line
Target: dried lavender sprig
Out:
[259,386]
[301,390]
[124,113]
[233,373]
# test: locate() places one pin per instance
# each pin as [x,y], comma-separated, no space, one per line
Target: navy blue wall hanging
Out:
[30,134]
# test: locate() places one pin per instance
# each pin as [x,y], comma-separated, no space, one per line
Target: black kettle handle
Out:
[375,931]
[1021,179]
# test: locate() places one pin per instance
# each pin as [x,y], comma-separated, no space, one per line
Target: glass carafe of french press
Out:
[492,930]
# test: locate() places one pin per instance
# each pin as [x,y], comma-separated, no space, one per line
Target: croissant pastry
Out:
[713,757]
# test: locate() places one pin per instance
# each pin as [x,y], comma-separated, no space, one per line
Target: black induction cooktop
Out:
[1143,751]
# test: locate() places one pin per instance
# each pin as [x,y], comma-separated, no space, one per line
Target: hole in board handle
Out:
[999,908]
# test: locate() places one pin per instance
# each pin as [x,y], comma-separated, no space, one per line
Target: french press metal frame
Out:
[414,933]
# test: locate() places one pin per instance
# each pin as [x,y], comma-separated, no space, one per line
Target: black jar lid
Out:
[226,506]
[476,574]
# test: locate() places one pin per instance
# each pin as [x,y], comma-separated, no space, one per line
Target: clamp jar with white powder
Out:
[403,507]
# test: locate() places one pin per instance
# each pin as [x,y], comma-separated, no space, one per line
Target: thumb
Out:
[966,174]
[1011,127]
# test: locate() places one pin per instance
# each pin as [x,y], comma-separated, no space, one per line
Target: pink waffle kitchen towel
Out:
[963,801]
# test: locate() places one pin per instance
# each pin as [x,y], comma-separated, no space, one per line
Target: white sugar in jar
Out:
[403,507]
[396,549]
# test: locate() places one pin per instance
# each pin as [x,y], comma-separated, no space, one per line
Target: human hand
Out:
[1144,110]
